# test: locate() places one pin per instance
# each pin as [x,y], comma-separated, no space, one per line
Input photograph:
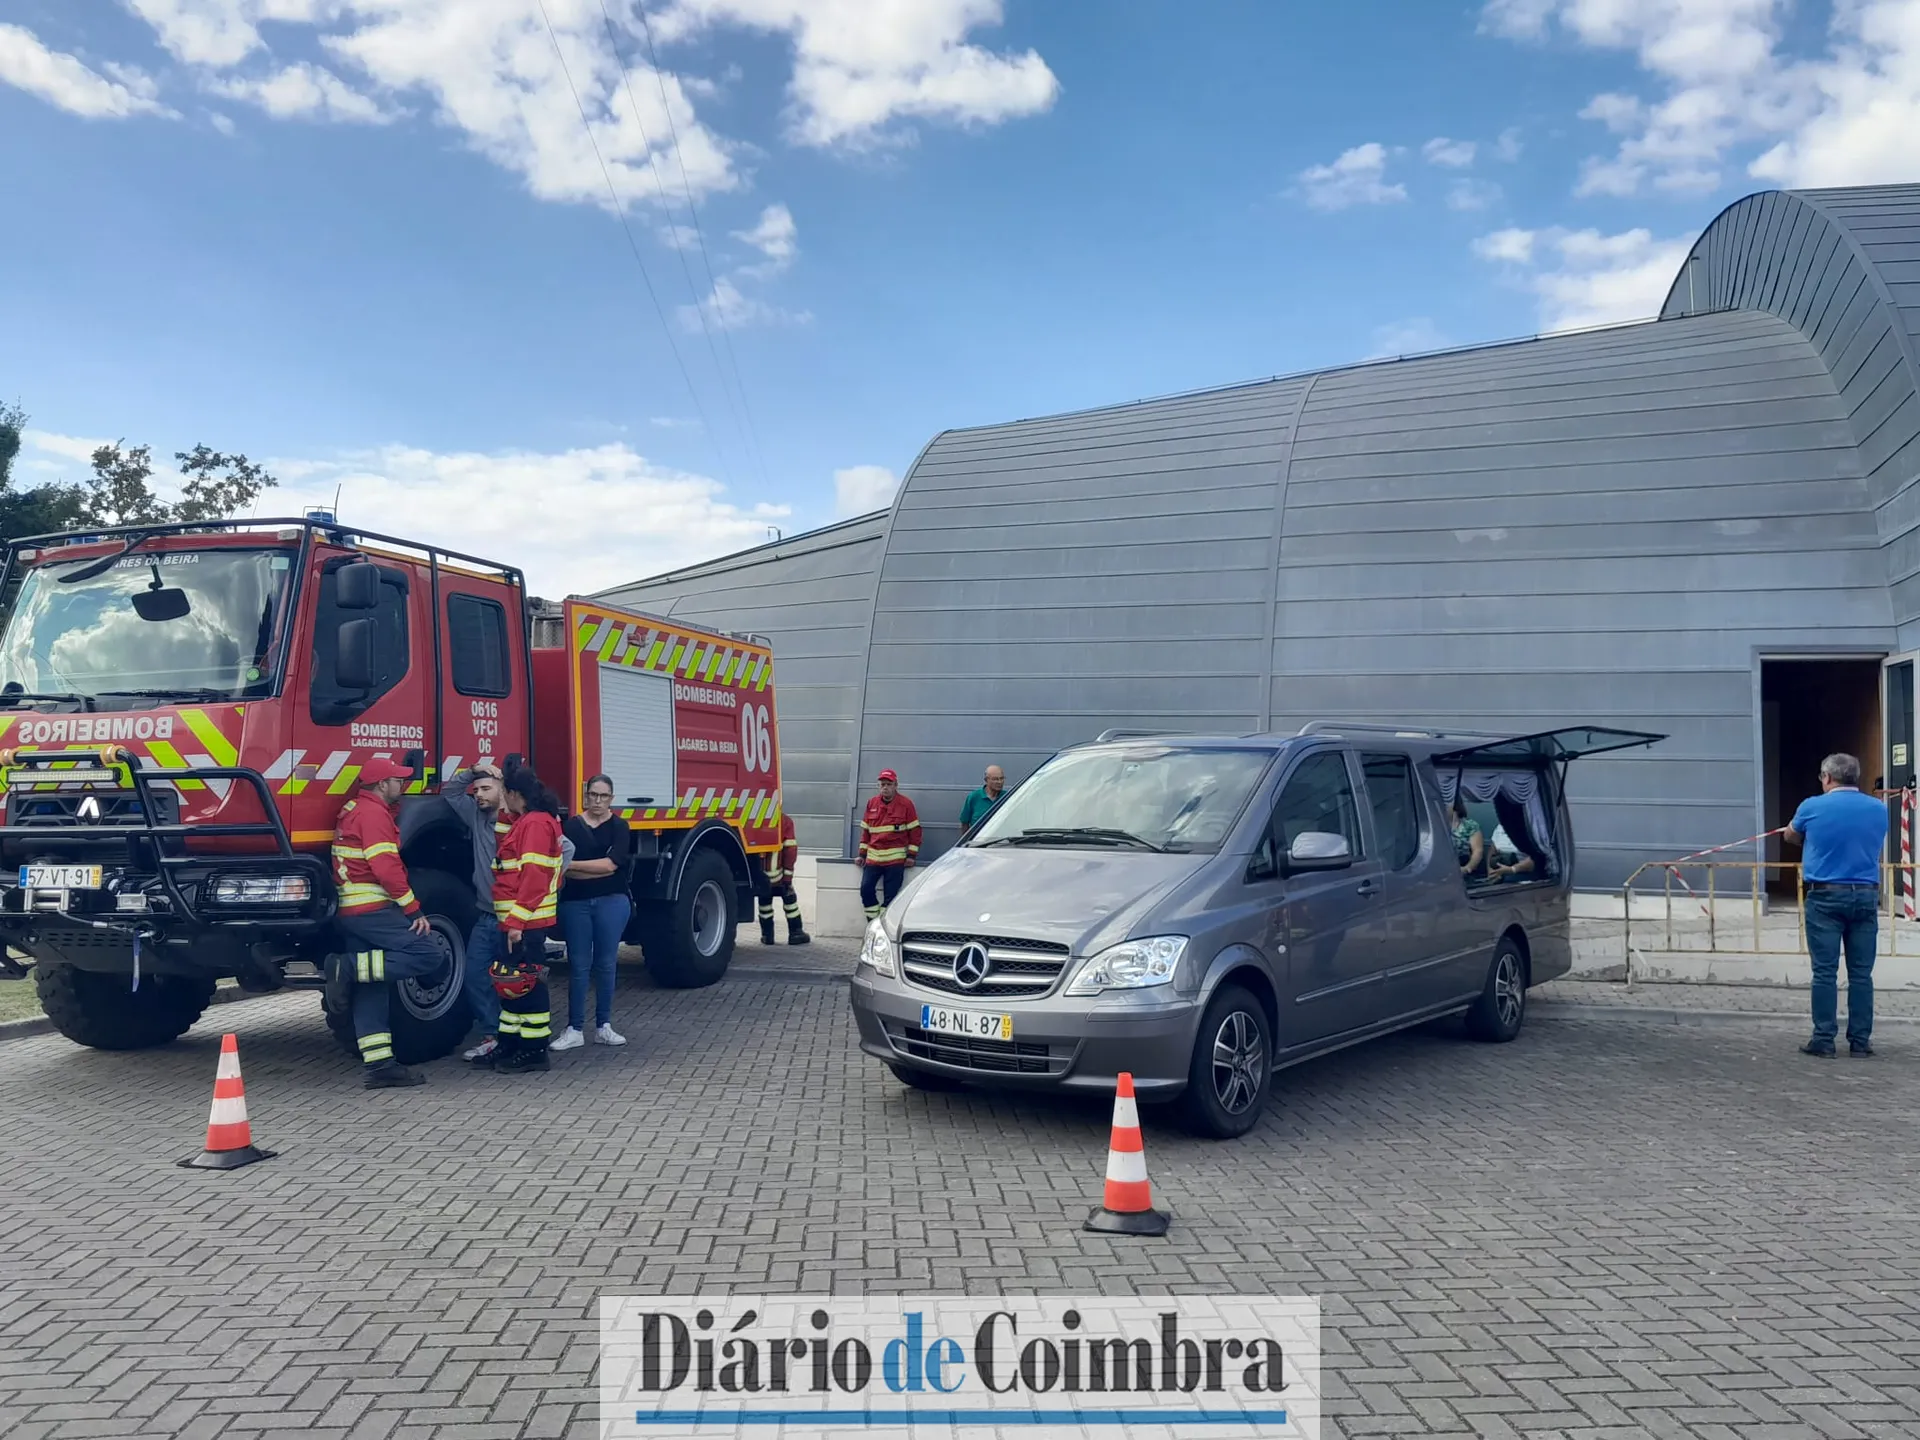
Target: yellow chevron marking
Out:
[219,749]
[344,781]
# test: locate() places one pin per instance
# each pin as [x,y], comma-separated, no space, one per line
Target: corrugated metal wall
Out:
[812,596]
[1046,580]
[1843,268]
[1609,526]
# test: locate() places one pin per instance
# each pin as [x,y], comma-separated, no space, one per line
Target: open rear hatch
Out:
[1563,745]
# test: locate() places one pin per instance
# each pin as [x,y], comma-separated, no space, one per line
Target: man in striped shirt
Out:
[380,917]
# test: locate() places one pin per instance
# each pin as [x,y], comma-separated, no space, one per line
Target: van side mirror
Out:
[353,666]
[1319,850]
[357,586]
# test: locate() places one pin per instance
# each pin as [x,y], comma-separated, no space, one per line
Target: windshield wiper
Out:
[1097,833]
[103,564]
[7,697]
[177,692]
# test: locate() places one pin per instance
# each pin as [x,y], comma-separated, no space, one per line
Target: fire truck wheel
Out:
[428,1017]
[689,940]
[105,1012]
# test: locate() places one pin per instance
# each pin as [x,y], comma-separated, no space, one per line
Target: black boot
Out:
[527,1055]
[797,935]
[766,932]
[337,997]
[391,1075]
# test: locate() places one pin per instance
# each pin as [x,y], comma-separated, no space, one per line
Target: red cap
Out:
[381,768]
[889,775]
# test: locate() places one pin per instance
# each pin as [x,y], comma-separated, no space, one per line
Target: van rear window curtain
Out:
[1519,798]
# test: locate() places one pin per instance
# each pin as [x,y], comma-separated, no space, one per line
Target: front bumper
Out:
[1058,1044]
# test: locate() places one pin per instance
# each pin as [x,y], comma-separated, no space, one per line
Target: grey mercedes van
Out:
[1201,911]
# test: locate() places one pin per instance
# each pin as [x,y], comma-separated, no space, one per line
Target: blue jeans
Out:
[592,929]
[1846,918]
[483,948]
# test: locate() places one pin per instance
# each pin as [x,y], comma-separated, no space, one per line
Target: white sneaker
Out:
[568,1039]
[607,1035]
[484,1049]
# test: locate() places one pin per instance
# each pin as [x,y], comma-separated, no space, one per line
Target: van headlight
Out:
[1131,965]
[878,951]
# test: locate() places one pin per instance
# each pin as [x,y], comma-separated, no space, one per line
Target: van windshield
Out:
[1159,797]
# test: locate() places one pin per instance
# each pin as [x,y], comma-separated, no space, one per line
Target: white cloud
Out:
[1407,337]
[1472,194]
[1846,117]
[65,83]
[1582,277]
[1864,126]
[728,308]
[860,68]
[67,447]
[305,92]
[860,489]
[576,521]
[1507,147]
[673,422]
[774,236]
[1358,177]
[1454,154]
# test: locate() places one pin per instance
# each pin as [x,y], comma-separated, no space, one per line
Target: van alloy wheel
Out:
[1239,1062]
[1509,990]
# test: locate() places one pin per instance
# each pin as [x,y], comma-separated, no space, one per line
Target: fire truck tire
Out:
[427,1017]
[688,941]
[104,1012]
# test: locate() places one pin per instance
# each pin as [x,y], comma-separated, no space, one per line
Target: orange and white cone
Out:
[229,1136]
[1128,1205]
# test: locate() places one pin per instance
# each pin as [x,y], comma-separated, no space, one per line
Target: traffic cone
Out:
[1128,1209]
[229,1137]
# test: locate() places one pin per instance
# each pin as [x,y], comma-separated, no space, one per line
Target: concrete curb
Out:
[41,1025]
[1576,1010]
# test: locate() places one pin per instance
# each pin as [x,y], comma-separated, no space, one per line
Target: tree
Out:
[44,508]
[216,485]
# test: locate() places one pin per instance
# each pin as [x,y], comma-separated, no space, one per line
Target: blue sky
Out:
[372,241]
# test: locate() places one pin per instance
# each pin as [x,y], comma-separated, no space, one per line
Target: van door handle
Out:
[1369,887]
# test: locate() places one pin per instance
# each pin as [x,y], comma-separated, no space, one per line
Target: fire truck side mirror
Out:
[353,666]
[357,586]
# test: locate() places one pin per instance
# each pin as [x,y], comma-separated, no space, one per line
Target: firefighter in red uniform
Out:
[379,914]
[526,900]
[889,844]
[777,880]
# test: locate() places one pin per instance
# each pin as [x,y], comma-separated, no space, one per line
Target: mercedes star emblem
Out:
[970,965]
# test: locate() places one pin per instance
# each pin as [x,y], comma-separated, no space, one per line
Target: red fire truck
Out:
[185,708]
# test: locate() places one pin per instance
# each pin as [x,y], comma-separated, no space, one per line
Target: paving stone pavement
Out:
[1608,1228]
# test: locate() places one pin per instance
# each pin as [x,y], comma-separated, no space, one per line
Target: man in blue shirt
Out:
[1845,833]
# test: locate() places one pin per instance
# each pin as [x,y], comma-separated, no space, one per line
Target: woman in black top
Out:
[594,908]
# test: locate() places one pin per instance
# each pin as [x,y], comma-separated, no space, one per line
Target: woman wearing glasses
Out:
[594,908]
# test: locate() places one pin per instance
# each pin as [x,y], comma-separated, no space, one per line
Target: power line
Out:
[693,211]
[620,212]
[693,290]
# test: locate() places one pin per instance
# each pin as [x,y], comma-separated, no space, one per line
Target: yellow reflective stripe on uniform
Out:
[381,847]
[359,892]
[375,1049]
[370,965]
[509,1023]
[405,900]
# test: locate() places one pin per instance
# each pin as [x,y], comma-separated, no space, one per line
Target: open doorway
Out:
[1809,708]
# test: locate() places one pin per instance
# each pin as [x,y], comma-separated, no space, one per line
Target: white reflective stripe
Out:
[229,1110]
[335,763]
[282,768]
[229,1066]
[686,800]
[1126,1165]
[451,766]
[599,635]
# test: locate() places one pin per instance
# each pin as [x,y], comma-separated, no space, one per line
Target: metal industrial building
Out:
[1705,525]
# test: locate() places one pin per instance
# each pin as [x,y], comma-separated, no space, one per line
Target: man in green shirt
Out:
[984,799]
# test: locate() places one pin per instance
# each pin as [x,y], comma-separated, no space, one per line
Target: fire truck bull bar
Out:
[164,835]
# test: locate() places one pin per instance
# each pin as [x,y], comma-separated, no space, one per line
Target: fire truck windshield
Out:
[160,624]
